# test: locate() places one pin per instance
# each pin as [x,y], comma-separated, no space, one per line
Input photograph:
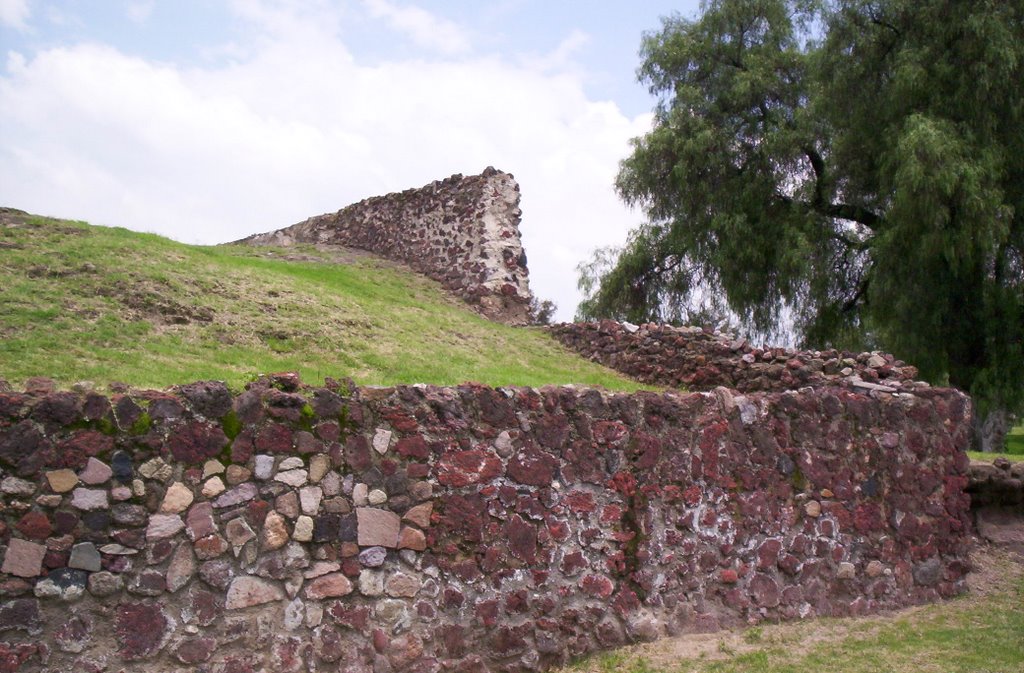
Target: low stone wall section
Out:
[461,231]
[418,528]
[698,359]
[999,483]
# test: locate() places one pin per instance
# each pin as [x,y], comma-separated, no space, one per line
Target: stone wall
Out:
[420,528]
[461,231]
[697,359]
[999,483]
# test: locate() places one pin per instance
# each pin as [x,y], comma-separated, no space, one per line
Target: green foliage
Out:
[231,424]
[84,303]
[141,425]
[855,165]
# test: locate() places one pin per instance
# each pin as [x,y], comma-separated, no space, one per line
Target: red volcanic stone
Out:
[517,601]
[646,450]
[380,640]
[353,617]
[12,656]
[492,560]
[764,591]
[624,483]
[611,514]
[467,571]
[404,651]
[141,630]
[329,431]
[196,442]
[509,640]
[274,438]
[867,517]
[199,521]
[558,530]
[237,663]
[286,655]
[454,639]
[462,468]
[533,467]
[789,564]
[553,431]
[487,612]
[597,585]
[242,448]
[609,432]
[453,597]
[417,470]
[413,447]
[400,420]
[583,464]
[573,562]
[728,576]
[357,453]
[35,526]
[306,443]
[328,644]
[63,408]
[84,444]
[22,613]
[768,554]
[579,502]
[205,606]
[521,538]
[626,602]
[195,650]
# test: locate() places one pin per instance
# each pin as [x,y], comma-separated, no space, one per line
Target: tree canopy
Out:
[854,165]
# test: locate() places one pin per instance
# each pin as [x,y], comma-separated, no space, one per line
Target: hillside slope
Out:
[80,302]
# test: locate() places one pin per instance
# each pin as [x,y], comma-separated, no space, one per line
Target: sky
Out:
[209,120]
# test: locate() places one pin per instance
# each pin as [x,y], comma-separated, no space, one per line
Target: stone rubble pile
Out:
[698,359]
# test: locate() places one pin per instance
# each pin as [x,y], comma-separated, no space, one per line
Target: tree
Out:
[857,165]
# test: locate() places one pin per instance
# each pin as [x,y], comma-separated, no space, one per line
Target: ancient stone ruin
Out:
[462,231]
[419,528]
[290,528]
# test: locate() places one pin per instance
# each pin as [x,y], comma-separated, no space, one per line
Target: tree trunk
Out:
[990,431]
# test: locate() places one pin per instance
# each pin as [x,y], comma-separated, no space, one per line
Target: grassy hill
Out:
[80,302]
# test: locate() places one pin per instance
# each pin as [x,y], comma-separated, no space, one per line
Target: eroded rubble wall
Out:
[468,528]
[461,231]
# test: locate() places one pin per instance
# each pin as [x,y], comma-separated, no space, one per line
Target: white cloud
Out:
[422,27]
[15,13]
[299,127]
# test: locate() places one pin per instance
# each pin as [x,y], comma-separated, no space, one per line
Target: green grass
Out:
[1015,442]
[80,302]
[973,634]
[990,457]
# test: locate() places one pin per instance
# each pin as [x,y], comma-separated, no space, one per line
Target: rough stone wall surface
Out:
[469,528]
[996,484]
[697,359]
[461,231]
